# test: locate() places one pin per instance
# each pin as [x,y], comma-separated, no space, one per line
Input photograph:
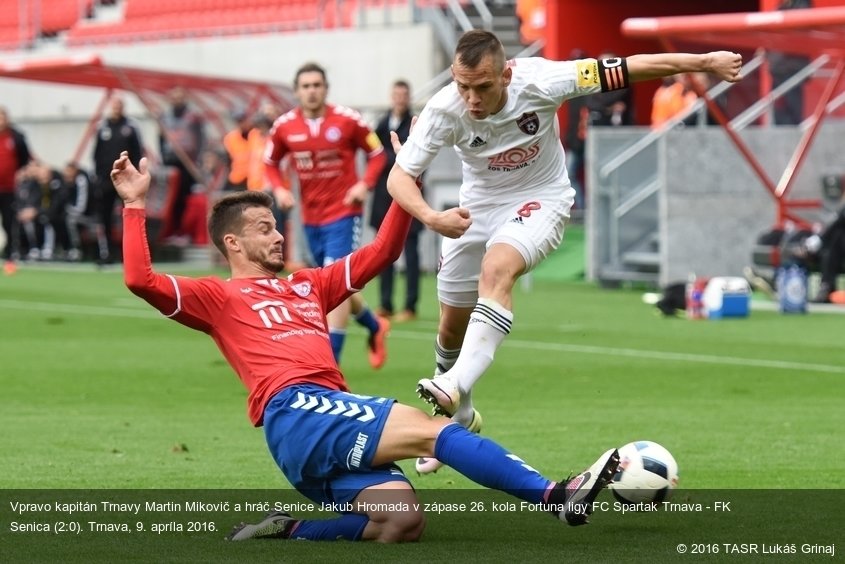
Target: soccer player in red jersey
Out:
[333,446]
[321,141]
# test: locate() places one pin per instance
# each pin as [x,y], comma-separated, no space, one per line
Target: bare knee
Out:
[499,275]
[401,526]
[394,512]
[500,269]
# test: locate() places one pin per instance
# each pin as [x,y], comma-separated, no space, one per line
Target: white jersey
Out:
[513,152]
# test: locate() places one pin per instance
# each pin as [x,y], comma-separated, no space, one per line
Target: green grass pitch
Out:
[98,392]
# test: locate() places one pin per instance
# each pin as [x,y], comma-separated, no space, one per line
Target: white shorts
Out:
[532,226]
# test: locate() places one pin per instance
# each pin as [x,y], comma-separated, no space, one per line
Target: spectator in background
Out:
[322,140]
[237,146]
[397,119]
[213,171]
[829,248]
[58,197]
[667,102]
[27,208]
[40,208]
[80,209]
[789,108]
[532,20]
[116,133]
[612,108]
[578,117]
[182,143]
[257,176]
[14,155]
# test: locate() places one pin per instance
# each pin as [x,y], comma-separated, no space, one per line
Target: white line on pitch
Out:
[78,309]
[429,336]
[647,354]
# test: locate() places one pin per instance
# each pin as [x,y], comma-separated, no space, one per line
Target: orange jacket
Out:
[239,155]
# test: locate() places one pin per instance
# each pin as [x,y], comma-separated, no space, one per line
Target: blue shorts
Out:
[324,441]
[333,241]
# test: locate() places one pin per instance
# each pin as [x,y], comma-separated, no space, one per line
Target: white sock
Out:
[444,359]
[488,325]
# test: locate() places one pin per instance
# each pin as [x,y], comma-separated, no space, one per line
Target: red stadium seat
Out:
[11,38]
[168,19]
[58,15]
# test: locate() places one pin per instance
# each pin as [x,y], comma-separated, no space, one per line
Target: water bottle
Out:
[792,289]
[695,297]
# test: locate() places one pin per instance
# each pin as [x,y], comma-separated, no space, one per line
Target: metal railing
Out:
[652,137]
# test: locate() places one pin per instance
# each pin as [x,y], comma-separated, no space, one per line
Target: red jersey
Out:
[272,331]
[322,151]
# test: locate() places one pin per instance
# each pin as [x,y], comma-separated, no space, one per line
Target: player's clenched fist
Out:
[451,223]
[726,65]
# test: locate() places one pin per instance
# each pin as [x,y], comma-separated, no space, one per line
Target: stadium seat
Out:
[167,19]
[59,15]
[9,17]
[11,38]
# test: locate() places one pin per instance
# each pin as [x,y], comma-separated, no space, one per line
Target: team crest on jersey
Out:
[302,289]
[333,134]
[528,123]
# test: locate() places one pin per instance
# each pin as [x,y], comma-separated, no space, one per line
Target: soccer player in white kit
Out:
[500,117]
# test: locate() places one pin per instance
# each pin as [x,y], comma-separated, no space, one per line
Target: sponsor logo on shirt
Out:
[514,159]
[297,137]
[303,160]
[588,73]
[477,142]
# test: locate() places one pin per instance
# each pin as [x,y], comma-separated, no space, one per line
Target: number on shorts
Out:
[525,211]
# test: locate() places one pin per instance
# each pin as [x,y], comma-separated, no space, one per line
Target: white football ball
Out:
[647,473]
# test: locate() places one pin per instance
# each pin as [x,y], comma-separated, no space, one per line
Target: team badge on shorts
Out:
[528,123]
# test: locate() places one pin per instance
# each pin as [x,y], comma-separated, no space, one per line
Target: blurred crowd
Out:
[73,214]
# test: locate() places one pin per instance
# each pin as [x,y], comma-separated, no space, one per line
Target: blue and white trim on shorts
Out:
[325,440]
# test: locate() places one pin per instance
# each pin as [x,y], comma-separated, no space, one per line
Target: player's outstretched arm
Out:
[132,186]
[724,64]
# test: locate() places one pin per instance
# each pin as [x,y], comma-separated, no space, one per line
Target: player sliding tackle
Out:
[500,116]
[333,446]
